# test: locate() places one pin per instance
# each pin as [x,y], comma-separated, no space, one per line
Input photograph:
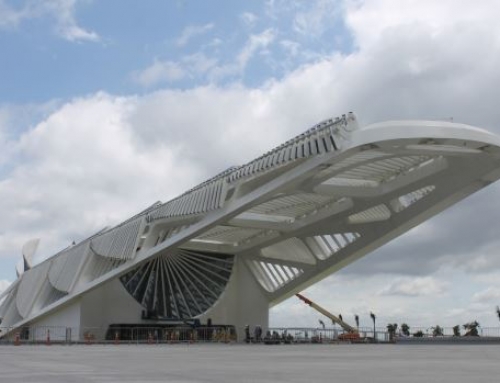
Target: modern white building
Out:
[254,235]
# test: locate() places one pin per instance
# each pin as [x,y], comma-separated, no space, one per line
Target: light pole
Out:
[372,315]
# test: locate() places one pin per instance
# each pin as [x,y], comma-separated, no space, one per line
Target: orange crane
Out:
[351,333]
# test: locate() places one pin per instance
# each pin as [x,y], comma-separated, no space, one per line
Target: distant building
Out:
[252,236]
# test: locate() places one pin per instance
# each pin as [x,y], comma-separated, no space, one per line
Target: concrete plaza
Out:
[250,363]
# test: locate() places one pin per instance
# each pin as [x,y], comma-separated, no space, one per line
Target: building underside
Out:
[252,236]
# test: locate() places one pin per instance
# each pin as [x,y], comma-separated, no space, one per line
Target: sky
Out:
[109,106]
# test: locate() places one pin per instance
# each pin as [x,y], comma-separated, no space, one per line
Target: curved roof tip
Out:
[28,251]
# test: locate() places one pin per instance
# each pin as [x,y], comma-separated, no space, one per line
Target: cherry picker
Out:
[350,333]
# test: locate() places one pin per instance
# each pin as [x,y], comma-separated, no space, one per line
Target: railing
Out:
[320,335]
[152,334]
[116,335]
[38,334]
[448,331]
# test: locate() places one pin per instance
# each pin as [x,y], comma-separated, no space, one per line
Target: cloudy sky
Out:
[109,106]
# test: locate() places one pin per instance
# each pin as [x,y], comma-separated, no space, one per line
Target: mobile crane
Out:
[350,334]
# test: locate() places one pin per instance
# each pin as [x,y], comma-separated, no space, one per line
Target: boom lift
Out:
[350,333]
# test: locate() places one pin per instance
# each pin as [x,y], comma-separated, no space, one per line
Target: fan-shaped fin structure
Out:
[181,284]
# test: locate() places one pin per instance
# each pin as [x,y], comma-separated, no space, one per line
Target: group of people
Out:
[257,338]
[269,338]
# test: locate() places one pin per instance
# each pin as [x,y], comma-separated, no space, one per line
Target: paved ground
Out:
[250,363]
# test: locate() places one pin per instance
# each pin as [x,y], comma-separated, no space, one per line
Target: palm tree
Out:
[372,315]
[498,312]
[356,319]
[419,334]
[471,328]
[437,331]
[391,329]
[405,329]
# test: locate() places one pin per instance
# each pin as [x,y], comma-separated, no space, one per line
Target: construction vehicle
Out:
[350,333]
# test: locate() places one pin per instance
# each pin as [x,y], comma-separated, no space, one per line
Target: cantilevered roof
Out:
[293,215]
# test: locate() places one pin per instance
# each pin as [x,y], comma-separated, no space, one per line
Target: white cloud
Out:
[317,17]
[249,19]
[97,160]
[63,11]
[199,65]
[190,66]
[215,42]
[307,20]
[160,72]
[373,22]
[292,47]
[342,294]
[82,168]
[11,17]
[427,286]
[274,9]
[256,43]
[3,285]
[4,147]
[67,27]
[192,31]
[489,295]
[72,32]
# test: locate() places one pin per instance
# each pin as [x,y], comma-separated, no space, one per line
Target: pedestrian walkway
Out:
[385,363]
